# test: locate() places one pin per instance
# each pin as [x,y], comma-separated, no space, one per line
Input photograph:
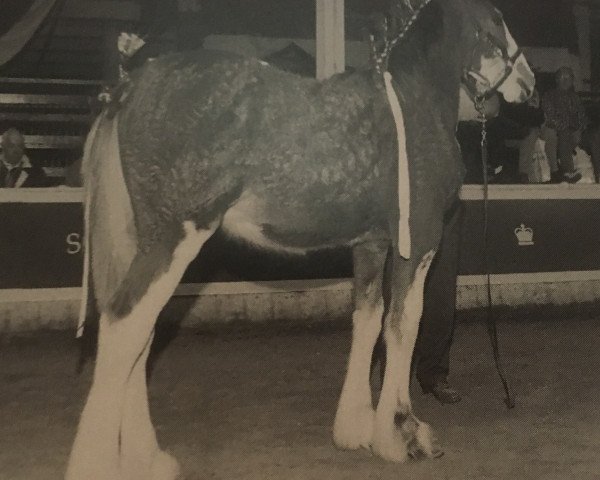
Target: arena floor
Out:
[259,405]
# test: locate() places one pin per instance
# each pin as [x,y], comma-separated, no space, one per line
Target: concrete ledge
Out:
[314,301]
[530,294]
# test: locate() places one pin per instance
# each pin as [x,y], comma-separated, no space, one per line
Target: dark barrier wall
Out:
[566,236]
[41,245]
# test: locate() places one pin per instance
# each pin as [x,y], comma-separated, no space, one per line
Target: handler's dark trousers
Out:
[437,324]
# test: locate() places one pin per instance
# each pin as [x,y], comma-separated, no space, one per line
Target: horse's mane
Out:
[427,31]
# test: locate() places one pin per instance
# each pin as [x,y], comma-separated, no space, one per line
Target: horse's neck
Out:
[435,76]
[422,89]
[444,71]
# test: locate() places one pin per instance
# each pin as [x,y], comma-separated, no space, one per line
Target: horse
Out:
[208,140]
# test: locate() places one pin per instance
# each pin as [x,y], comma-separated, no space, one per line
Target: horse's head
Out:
[493,61]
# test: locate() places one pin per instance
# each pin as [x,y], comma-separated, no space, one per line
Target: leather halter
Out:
[472,78]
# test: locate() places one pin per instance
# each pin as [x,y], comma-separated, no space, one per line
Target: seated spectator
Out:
[594,150]
[530,117]
[16,171]
[565,120]
[590,141]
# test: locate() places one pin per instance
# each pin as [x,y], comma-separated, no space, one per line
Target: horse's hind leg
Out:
[115,438]
[140,455]
[353,427]
[400,331]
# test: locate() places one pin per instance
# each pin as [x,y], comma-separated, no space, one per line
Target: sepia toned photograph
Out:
[299,239]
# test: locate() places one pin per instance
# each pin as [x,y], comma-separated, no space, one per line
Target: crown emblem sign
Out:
[524,235]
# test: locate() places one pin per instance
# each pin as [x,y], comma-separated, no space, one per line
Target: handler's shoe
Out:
[444,392]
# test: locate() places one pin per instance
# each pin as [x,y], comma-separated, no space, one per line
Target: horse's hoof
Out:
[390,446]
[420,439]
[165,467]
[353,431]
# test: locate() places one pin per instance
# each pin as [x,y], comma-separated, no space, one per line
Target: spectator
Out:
[594,141]
[16,171]
[565,119]
[530,118]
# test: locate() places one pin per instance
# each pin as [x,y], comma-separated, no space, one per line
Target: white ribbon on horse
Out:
[403,174]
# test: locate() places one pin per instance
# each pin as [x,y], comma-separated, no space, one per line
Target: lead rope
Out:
[490,318]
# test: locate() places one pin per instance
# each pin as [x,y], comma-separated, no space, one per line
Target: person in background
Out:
[594,141]
[530,117]
[565,120]
[468,134]
[16,171]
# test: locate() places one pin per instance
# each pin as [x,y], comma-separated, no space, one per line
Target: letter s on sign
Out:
[74,243]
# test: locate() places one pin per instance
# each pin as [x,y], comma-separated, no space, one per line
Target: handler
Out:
[432,350]
[438,320]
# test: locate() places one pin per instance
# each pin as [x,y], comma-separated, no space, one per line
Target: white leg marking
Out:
[119,385]
[353,427]
[140,452]
[388,442]
[409,328]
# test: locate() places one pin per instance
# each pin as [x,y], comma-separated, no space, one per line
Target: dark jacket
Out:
[26,175]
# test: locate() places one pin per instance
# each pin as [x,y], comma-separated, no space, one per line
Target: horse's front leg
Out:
[353,427]
[400,332]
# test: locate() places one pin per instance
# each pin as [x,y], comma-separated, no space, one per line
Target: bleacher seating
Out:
[48,90]
[54,116]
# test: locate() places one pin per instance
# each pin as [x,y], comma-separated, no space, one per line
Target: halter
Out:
[490,87]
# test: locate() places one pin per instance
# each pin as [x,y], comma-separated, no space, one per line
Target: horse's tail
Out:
[109,230]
